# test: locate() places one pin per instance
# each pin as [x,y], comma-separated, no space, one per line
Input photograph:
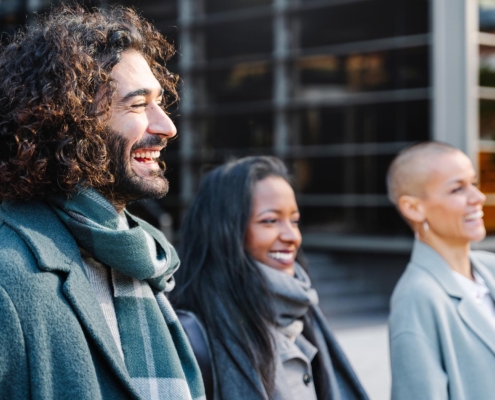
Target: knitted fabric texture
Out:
[157,353]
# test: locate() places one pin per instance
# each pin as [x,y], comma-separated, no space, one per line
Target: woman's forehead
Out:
[451,168]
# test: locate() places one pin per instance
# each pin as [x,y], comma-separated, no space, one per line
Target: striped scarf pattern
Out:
[157,354]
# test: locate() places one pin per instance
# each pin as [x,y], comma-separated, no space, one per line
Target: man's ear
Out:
[411,208]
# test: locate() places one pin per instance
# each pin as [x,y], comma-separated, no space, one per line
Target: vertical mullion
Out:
[282,89]
[455,74]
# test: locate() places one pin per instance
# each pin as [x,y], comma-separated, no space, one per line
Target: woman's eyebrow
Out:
[268,210]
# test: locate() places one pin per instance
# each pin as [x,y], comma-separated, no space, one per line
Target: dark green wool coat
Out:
[54,341]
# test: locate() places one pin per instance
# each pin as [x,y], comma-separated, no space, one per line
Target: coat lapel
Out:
[429,260]
[56,251]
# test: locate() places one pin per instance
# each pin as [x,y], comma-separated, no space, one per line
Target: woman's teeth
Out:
[146,155]
[277,255]
[473,216]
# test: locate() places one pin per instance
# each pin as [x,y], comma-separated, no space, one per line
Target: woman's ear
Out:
[411,208]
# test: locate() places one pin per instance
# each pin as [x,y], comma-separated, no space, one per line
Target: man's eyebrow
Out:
[138,92]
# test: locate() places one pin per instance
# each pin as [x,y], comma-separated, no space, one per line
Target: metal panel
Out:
[455,74]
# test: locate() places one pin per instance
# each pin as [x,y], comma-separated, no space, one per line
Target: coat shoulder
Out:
[416,301]
[16,258]
[487,258]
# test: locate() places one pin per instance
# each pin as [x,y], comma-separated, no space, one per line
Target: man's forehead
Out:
[133,74]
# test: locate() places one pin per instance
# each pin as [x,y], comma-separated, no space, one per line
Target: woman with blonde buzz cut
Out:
[442,323]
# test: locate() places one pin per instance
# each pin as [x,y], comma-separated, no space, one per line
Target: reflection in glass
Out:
[239,38]
[366,20]
[348,175]
[387,122]
[249,81]
[487,172]
[213,6]
[487,15]
[487,66]
[487,119]
[328,76]
[238,131]
[487,186]
[352,220]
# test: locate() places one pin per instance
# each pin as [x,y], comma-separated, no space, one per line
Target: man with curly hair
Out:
[83,310]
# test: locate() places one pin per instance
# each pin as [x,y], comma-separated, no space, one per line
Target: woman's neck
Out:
[456,254]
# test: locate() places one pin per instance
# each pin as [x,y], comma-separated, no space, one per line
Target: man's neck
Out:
[455,253]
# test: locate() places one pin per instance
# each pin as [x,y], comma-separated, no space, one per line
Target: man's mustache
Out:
[151,141]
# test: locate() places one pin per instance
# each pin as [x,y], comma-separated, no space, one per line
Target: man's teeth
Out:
[146,154]
[277,255]
[473,216]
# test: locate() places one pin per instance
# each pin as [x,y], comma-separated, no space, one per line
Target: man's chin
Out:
[138,188]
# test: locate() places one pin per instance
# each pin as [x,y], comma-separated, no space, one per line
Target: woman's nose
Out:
[290,233]
[477,196]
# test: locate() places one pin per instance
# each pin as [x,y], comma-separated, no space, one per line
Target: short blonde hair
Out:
[409,169]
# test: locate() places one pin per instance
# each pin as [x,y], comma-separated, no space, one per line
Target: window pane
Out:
[239,38]
[352,220]
[213,6]
[243,82]
[487,15]
[327,75]
[487,172]
[487,119]
[238,132]
[387,122]
[487,66]
[337,175]
[365,20]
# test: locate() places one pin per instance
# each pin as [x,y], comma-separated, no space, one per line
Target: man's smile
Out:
[146,155]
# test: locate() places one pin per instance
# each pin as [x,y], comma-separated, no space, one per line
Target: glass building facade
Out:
[333,87]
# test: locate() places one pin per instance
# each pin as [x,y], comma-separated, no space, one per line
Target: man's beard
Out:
[128,186]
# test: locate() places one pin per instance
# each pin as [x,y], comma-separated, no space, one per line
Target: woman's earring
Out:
[425,225]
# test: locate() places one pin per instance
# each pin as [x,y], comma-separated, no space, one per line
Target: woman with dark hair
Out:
[267,338]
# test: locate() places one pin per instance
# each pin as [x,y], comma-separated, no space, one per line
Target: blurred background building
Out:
[335,88]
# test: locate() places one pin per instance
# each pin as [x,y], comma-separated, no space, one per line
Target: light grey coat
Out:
[442,346]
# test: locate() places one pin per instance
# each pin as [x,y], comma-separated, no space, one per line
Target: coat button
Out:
[306,379]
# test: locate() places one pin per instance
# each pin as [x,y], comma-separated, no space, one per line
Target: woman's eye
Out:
[457,189]
[269,221]
[296,222]
[139,105]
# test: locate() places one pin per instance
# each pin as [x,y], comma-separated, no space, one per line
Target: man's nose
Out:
[160,123]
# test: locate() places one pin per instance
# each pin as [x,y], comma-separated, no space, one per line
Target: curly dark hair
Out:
[55,96]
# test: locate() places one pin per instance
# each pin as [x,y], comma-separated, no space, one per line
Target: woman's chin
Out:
[478,236]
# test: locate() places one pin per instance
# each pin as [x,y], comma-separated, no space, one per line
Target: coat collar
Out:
[55,249]
[424,257]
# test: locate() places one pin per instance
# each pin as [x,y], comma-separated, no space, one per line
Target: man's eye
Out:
[457,189]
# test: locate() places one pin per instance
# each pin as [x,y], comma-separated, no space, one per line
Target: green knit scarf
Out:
[156,351]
